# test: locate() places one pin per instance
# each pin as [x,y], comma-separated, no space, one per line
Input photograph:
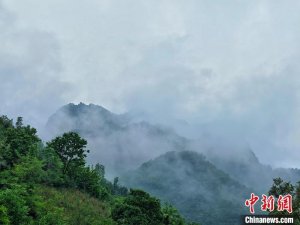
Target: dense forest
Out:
[51,184]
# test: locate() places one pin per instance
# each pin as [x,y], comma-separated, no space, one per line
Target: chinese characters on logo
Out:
[268,203]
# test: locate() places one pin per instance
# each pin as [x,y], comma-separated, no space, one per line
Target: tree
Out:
[71,149]
[4,219]
[172,216]
[100,169]
[118,189]
[125,214]
[88,180]
[280,187]
[5,122]
[53,166]
[29,170]
[16,142]
[14,201]
[19,122]
[138,208]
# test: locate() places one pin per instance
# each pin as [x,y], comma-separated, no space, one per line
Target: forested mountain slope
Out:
[196,187]
[51,184]
[123,142]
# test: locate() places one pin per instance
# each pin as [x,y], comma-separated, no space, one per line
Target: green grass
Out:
[75,207]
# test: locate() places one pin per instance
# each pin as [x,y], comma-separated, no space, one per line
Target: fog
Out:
[123,142]
[224,72]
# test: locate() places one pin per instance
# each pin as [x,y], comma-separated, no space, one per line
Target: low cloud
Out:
[30,70]
[227,70]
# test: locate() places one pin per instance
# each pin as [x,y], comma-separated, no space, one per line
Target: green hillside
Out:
[74,206]
[195,186]
[50,184]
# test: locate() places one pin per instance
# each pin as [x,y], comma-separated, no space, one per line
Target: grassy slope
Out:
[76,207]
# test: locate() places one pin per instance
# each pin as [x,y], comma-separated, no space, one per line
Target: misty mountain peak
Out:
[118,140]
[84,119]
[74,109]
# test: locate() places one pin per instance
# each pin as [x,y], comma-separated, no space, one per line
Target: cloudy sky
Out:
[227,68]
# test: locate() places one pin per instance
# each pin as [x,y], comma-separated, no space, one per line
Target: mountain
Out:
[52,184]
[207,180]
[194,185]
[89,119]
[118,141]
[243,166]
[123,142]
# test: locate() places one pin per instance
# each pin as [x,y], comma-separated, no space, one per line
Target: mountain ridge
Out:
[127,144]
[195,186]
